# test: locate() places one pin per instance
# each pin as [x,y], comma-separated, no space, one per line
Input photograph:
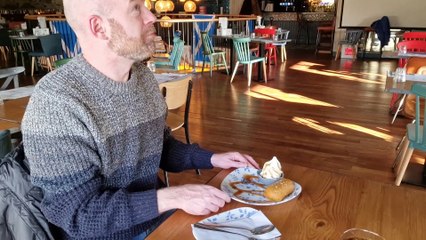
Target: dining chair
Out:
[244,56]
[51,47]
[212,54]
[21,48]
[5,44]
[411,46]
[270,49]
[325,37]
[173,59]
[352,38]
[177,95]
[282,35]
[415,137]
[60,62]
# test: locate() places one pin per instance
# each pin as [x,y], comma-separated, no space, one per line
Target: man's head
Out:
[123,27]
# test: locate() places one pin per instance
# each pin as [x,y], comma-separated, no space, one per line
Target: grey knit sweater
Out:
[95,147]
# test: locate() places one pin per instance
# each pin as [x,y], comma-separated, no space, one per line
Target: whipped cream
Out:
[272,169]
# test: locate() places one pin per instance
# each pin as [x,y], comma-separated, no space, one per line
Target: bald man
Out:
[95,135]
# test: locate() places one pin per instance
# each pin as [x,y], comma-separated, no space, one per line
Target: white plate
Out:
[250,192]
[245,217]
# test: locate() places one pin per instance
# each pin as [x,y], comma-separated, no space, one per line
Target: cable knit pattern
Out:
[95,147]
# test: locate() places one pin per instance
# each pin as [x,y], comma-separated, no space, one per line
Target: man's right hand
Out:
[191,198]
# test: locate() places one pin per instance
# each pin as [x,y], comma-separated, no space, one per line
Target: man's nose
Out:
[148,17]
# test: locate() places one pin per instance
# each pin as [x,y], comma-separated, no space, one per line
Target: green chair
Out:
[61,62]
[175,56]
[212,54]
[5,143]
[244,56]
[415,137]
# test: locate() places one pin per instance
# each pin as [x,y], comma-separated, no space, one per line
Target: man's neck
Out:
[115,67]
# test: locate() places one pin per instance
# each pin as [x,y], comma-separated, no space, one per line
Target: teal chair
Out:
[51,46]
[244,56]
[416,134]
[5,143]
[212,54]
[61,62]
[175,56]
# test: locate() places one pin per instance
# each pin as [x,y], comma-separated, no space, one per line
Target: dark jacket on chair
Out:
[382,28]
[20,215]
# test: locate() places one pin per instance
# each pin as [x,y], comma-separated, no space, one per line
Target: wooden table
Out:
[328,205]
[13,110]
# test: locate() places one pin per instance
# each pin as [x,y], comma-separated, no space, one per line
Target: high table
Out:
[329,204]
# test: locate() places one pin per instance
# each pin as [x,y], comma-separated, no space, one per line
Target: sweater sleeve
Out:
[178,156]
[65,164]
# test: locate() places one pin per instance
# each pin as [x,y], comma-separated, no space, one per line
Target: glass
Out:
[403,50]
[400,74]
[360,234]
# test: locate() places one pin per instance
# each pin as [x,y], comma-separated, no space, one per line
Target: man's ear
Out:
[98,27]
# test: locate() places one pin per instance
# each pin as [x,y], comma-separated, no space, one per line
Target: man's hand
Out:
[191,198]
[233,159]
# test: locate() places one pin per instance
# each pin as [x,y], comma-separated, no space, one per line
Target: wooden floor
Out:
[314,112]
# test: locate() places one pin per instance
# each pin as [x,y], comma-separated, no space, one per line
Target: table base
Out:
[415,175]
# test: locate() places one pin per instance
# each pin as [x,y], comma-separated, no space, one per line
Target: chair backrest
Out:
[4,38]
[177,52]
[353,36]
[266,32]
[419,90]
[242,48]
[207,43]
[51,44]
[177,93]
[414,36]
[413,46]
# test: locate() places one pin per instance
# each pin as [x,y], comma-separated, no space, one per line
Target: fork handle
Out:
[213,228]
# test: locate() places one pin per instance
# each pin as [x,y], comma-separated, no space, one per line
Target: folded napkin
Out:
[241,217]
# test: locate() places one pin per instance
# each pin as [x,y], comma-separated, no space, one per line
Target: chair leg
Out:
[404,164]
[212,63]
[32,66]
[166,178]
[404,146]
[49,64]
[224,62]
[235,70]
[264,72]
[250,66]
[339,49]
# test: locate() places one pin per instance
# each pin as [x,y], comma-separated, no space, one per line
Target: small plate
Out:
[242,186]
[246,217]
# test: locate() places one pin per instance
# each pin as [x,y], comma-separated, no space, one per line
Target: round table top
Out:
[7,72]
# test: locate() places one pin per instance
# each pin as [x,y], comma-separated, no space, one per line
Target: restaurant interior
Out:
[334,89]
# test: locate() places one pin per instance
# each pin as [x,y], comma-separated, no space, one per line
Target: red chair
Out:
[412,46]
[414,36]
[271,49]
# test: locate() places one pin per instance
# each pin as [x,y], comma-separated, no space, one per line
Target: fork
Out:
[202,226]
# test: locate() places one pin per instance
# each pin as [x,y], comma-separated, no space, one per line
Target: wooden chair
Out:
[51,46]
[415,137]
[177,95]
[244,56]
[352,38]
[325,37]
[270,49]
[212,54]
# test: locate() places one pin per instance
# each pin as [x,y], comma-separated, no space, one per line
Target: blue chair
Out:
[51,46]
[212,54]
[173,60]
[415,137]
[244,56]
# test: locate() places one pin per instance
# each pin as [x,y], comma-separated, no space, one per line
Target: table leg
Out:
[415,174]
[260,65]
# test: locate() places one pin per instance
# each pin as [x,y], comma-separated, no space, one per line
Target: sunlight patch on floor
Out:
[358,128]
[264,92]
[315,125]
[307,67]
